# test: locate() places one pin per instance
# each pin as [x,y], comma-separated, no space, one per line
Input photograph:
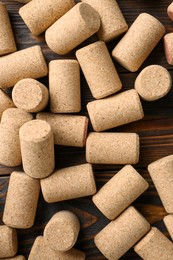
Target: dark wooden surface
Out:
[155,130]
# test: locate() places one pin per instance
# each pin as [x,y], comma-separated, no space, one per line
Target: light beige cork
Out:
[162,176]
[69,183]
[116,110]
[168,47]
[138,42]
[121,234]
[99,70]
[30,95]
[26,63]
[18,257]
[5,102]
[170,11]
[61,231]
[155,245]
[61,124]
[8,241]
[37,148]
[168,221]
[64,86]
[119,192]
[78,24]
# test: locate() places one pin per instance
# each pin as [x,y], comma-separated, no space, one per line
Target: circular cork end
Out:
[146,239]
[89,16]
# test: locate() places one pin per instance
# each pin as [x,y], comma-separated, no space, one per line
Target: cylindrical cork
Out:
[73,28]
[8,241]
[37,148]
[119,192]
[116,110]
[121,234]
[30,95]
[5,101]
[61,124]
[64,86]
[27,63]
[69,183]
[99,70]
[168,47]
[18,257]
[61,231]
[168,221]
[155,245]
[161,174]
[21,201]
[138,42]
[170,11]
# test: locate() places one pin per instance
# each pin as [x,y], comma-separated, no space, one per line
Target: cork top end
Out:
[89,16]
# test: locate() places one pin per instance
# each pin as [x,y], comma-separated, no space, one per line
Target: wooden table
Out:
[155,130]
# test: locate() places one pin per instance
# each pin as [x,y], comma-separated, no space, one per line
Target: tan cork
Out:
[116,110]
[99,70]
[121,234]
[5,101]
[168,221]
[170,11]
[61,231]
[69,183]
[37,148]
[119,192]
[168,47]
[26,63]
[73,28]
[18,257]
[155,245]
[138,42]
[61,124]
[30,95]
[64,86]
[8,241]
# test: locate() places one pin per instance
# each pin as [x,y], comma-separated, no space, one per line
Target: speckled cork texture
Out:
[26,63]
[69,183]
[73,28]
[30,95]
[37,148]
[168,47]
[168,221]
[121,234]
[112,148]
[61,124]
[116,110]
[8,241]
[155,245]
[61,232]
[99,70]
[18,257]
[162,175]
[138,42]
[170,11]
[119,192]
[64,86]
[5,101]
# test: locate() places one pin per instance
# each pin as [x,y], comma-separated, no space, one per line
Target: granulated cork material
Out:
[170,11]
[18,257]
[168,221]
[168,47]
[5,101]
[8,241]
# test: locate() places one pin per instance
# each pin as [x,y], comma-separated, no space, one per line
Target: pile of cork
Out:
[28,135]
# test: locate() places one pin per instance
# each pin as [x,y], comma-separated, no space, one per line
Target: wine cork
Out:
[168,47]
[78,24]
[138,42]
[26,63]
[168,221]
[99,70]
[116,110]
[121,234]
[119,192]
[112,148]
[155,245]
[30,95]
[161,174]
[64,86]
[61,124]
[69,183]
[8,241]
[37,148]
[18,257]
[170,11]
[5,101]
[61,231]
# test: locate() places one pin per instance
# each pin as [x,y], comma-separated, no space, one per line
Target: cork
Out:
[78,24]
[170,11]
[40,250]
[61,124]
[119,192]
[99,70]
[116,110]
[30,95]
[138,42]
[161,174]
[168,221]
[8,241]
[5,101]
[69,183]
[18,257]
[168,47]
[64,86]
[121,234]
[37,148]
[61,231]
[26,63]
[155,245]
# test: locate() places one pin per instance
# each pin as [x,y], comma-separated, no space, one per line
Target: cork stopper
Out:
[18,257]
[5,101]
[168,47]
[8,241]
[168,221]
[170,11]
